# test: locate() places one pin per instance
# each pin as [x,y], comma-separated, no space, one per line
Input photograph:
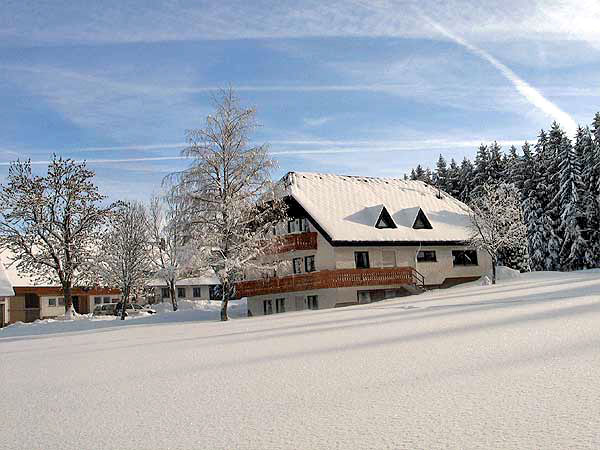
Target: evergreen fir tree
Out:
[419,173]
[495,165]
[428,177]
[465,179]
[441,174]
[573,248]
[453,185]
[585,151]
[550,160]
[524,180]
[481,172]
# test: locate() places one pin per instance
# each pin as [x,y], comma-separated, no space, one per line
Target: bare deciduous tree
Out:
[172,250]
[123,257]
[497,221]
[233,201]
[50,223]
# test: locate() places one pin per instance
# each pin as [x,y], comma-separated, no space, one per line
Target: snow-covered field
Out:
[516,365]
[189,311]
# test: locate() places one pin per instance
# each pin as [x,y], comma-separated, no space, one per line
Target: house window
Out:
[107,300]
[61,301]
[297,265]
[426,256]
[421,222]
[165,293]
[364,297]
[181,292]
[51,302]
[309,264]
[97,300]
[304,225]
[389,258]
[297,225]
[385,220]
[312,301]
[464,257]
[361,259]
[197,292]
[267,307]
[280,305]
[32,301]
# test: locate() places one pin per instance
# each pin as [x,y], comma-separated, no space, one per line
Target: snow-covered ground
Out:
[516,365]
[189,311]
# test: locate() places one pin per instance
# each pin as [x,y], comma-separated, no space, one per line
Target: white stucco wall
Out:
[434,272]
[189,293]
[294,301]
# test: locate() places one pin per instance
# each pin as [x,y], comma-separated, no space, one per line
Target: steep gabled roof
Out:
[347,208]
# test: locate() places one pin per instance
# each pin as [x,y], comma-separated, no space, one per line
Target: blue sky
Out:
[349,87]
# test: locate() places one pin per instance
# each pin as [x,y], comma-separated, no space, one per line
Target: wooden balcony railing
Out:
[300,241]
[330,279]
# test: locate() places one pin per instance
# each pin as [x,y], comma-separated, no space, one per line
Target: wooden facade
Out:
[298,241]
[327,279]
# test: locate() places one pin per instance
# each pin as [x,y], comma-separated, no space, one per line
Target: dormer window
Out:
[422,222]
[385,220]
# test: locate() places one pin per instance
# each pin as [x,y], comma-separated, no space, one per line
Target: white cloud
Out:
[112,21]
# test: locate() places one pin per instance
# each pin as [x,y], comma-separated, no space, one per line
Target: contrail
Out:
[99,161]
[364,147]
[529,92]
[318,144]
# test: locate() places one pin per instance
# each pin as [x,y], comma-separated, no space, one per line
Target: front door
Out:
[75,300]
[32,307]
[1,315]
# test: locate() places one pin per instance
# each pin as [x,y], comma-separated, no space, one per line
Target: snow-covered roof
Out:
[348,207]
[207,280]
[6,289]
[17,279]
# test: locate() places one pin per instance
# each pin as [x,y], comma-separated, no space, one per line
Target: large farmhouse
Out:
[358,239]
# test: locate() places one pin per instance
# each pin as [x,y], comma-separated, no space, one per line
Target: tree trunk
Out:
[68,293]
[224,303]
[173,293]
[124,307]
[494,263]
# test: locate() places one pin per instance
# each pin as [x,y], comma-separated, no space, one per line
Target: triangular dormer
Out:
[422,222]
[385,220]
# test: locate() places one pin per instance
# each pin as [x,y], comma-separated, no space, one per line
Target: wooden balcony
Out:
[330,279]
[300,241]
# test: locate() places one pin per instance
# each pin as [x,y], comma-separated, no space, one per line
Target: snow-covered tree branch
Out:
[172,249]
[50,223]
[496,221]
[123,257]
[234,204]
